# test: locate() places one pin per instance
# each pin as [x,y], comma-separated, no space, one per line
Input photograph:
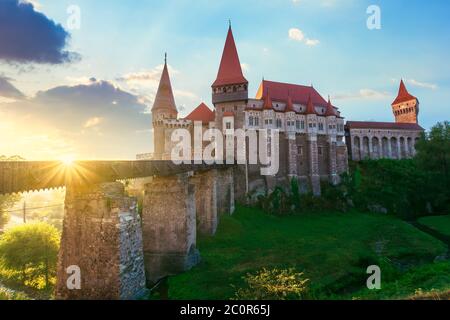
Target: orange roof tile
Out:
[164,97]
[202,113]
[299,94]
[230,71]
[331,112]
[268,105]
[310,107]
[403,94]
[383,125]
[290,104]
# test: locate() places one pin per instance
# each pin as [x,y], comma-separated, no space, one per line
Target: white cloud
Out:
[81,80]
[93,122]
[364,94]
[184,93]
[7,100]
[146,78]
[425,85]
[296,34]
[312,42]
[37,6]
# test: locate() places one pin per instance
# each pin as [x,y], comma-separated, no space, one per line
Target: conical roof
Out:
[230,71]
[164,97]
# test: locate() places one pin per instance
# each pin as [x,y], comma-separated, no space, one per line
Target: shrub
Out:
[30,251]
[274,284]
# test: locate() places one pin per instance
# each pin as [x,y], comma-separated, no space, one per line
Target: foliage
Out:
[282,202]
[429,281]
[401,188]
[6,202]
[12,158]
[333,247]
[440,224]
[274,284]
[31,250]
[11,295]
[433,151]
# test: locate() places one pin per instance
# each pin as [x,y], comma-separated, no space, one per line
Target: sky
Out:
[78,77]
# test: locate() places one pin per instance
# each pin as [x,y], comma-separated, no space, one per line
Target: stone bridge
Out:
[118,246]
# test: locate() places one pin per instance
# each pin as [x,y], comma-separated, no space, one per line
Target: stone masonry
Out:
[102,236]
[169,227]
[206,201]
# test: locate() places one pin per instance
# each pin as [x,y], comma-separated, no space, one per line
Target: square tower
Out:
[406,106]
[230,90]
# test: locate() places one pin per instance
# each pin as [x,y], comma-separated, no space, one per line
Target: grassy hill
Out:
[438,223]
[334,250]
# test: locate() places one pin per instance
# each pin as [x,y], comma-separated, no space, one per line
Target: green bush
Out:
[274,284]
[282,202]
[28,253]
[10,295]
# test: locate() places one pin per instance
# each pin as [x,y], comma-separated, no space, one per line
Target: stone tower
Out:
[164,109]
[405,107]
[230,90]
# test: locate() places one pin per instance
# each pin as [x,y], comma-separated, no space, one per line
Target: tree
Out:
[31,248]
[433,150]
[6,202]
[433,156]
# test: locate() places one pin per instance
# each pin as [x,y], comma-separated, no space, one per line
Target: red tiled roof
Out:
[403,95]
[330,110]
[290,104]
[268,105]
[201,113]
[299,94]
[310,107]
[383,125]
[230,71]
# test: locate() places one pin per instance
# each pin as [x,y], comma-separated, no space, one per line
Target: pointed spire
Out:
[164,97]
[230,71]
[330,109]
[403,94]
[310,106]
[268,102]
[290,104]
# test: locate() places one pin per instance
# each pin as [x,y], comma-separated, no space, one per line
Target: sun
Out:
[67,160]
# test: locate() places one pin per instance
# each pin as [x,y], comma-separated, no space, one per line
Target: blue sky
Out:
[123,43]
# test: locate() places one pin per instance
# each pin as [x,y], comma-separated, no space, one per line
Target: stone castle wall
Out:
[102,236]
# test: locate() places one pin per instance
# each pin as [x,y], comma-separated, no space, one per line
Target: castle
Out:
[392,140]
[315,143]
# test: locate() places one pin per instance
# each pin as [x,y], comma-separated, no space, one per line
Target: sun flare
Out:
[68,160]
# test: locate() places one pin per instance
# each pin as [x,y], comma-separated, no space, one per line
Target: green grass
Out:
[8,295]
[420,281]
[333,250]
[439,223]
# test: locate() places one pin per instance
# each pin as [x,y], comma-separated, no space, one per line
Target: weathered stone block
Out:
[169,227]
[102,236]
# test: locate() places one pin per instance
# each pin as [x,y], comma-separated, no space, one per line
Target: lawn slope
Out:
[334,250]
